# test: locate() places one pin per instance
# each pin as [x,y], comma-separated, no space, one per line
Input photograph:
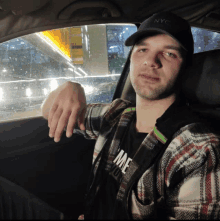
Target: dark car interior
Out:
[58,172]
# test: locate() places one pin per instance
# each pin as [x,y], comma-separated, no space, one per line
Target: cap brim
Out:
[133,39]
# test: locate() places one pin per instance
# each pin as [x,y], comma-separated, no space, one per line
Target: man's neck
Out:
[148,111]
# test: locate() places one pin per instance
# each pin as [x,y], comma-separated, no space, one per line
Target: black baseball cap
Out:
[166,23]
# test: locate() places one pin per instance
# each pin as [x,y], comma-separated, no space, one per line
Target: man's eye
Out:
[169,54]
[142,50]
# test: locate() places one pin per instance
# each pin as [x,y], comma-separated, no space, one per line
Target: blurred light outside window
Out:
[34,65]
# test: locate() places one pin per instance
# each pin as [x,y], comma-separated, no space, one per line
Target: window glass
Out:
[117,52]
[94,55]
[205,40]
[34,65]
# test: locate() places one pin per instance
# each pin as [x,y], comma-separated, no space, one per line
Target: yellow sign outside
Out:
[56,36]
[76,50]
[68,41]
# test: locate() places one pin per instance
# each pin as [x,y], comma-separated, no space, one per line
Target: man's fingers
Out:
[71,124]
[51,113]
[61,125]
[54,121]
[81,119]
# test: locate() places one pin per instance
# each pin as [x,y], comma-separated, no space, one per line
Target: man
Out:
[137,173]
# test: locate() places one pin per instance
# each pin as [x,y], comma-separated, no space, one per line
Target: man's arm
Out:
[64,107]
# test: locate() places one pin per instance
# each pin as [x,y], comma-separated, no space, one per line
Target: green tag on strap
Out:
[160,136]
[130,109]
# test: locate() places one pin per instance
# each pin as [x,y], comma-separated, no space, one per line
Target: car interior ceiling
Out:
[57,172]
[21,17]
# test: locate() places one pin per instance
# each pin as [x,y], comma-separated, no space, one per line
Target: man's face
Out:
[155,64]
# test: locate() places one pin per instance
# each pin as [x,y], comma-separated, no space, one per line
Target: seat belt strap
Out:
[159,135]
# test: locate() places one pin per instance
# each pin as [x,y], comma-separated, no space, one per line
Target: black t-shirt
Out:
[106,197]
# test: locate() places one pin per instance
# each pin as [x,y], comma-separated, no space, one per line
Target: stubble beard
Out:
[156,93]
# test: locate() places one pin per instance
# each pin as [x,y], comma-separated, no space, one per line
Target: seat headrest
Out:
[201,81]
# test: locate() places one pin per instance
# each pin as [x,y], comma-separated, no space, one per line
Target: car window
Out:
[205,40]
[34,65]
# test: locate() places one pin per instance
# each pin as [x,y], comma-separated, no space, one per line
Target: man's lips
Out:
[149,78]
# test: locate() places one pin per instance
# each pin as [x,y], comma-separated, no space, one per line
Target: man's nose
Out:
[153,61]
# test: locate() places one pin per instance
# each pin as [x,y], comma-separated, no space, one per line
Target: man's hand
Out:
[65,107]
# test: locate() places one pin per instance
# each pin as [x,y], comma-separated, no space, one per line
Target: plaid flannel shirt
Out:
[189,169]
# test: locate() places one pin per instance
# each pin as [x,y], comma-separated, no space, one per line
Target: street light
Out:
[53,85]
[28,92]
[83,71]
[45,91]
[1,94]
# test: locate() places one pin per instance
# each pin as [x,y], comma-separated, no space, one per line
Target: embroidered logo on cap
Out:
[162,21]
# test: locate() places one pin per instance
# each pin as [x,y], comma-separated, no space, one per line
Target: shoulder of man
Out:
[98,114]
[117,107]
[191,147]
[199,134]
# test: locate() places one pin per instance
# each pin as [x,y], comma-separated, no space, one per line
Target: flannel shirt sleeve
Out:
[93,120]
[96,113]
[192,176]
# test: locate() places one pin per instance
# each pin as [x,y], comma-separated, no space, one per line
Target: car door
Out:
[31,67]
